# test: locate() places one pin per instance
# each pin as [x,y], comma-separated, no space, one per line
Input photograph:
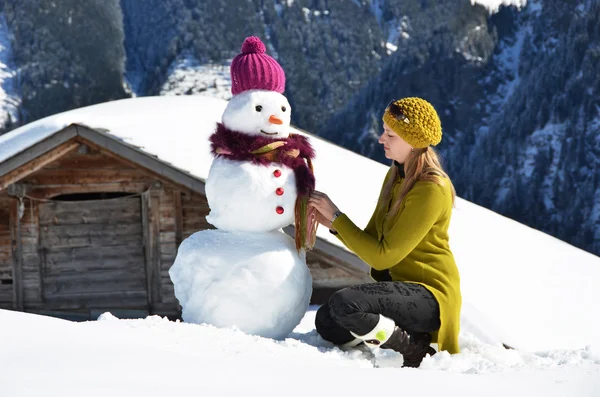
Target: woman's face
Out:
[395,147]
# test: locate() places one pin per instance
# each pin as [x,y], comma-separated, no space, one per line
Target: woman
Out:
[416,299]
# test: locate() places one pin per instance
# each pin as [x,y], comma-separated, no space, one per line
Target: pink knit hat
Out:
[255,70]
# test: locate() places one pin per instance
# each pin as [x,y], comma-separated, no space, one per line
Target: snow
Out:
[535,6]
[397,31]
[376,7]
[156,357]
[306,12]
[390,47]
[494,5]
[520,287]
[255,282]
[8,98]
[145,122]
[464,48]
[507,61]
[241,114]
[229,180]
[187,76]
[278,9]
[550,137]
[595,216]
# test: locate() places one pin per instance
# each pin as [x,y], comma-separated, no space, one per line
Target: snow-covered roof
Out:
[496,255]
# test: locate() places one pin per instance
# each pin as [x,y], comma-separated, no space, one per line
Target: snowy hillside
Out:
[187,76]
[520,287]
[9,101]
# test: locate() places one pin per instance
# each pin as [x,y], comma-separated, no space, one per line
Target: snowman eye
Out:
[283,108]
[258,108]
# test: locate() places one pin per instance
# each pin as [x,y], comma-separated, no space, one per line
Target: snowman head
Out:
[258,106]
[259,112]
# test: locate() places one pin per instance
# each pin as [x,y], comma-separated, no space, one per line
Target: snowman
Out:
[247,273]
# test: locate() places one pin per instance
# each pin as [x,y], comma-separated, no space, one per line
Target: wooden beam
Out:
[155,232]
[17,255]
[112,146]
[178,218]
[78,176]
[146,239]
[48,191]
[38,149]
[125,162]
[141,158]
[150,215]
[36,164]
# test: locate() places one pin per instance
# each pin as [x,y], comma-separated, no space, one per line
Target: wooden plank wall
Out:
[6,266]
[168,247]
[194,209]
[80,171]
[31,270]
[93,252]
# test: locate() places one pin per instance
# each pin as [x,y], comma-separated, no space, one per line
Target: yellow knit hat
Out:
[420,126]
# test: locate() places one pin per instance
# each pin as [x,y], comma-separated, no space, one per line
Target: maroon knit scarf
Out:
[295,152]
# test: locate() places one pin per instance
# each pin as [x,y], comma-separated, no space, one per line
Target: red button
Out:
[279,210]
[277,173]
[279,191]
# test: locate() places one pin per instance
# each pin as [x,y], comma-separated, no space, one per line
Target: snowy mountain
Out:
[187,76]
[9,99]
[515,81]
[518,96]
[63,55]
[520,287]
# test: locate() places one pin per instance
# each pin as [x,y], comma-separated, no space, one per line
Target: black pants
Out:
[357,308]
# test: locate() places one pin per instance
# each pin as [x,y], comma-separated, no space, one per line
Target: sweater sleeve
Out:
[424,205]
[370,229]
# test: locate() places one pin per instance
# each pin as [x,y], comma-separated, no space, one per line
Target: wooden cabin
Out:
[90,223]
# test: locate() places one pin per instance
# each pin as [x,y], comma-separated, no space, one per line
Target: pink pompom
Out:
[253,44]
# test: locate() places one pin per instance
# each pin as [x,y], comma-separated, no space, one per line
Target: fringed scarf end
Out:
[306,224]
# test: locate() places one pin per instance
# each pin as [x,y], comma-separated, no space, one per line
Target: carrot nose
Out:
[275,120]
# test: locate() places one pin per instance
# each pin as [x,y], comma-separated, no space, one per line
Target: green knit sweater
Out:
[414,247]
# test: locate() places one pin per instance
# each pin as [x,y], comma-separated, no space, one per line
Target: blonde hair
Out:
[421,165]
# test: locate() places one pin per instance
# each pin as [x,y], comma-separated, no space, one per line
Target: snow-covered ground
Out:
[47,357]
[520,287]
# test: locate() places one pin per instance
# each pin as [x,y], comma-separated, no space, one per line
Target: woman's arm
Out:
[370,229]
[424,205]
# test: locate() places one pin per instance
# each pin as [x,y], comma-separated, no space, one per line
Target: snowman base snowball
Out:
[255,282]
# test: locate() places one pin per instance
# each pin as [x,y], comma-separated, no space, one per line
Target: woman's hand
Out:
[322,203]
[323,221]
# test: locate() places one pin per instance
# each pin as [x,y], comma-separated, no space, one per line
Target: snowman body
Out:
[250,198]
[247,274]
